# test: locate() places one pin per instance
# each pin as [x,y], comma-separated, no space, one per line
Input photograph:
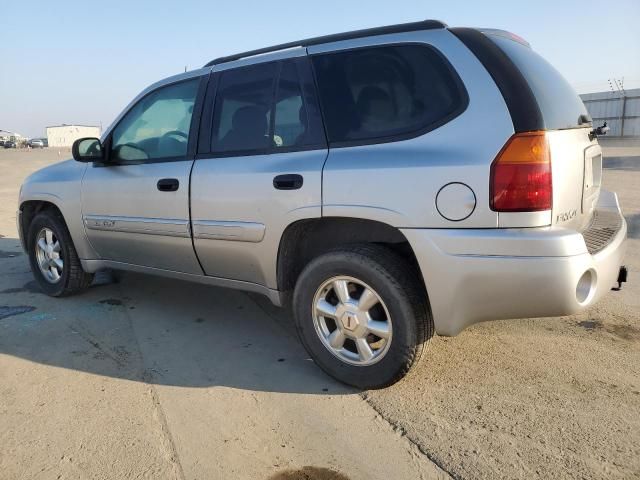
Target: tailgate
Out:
[576,161]
[576,166]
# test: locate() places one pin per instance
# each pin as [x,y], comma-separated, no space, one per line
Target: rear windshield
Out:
[560,105]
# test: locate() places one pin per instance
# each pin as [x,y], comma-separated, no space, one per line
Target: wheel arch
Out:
[304,240]
[27,212]
[66,204]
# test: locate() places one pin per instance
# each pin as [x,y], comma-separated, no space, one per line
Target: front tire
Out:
[362,314]
[53,257]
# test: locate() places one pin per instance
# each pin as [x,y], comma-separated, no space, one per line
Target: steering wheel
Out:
[176,133]
[130,152]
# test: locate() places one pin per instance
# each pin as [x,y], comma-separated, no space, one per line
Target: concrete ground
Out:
[144,377]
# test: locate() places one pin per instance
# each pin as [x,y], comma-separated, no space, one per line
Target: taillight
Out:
[521,175]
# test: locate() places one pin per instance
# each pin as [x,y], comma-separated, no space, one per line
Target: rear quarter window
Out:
[560,105]
[381,94]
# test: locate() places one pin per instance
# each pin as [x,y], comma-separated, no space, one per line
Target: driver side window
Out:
[157,127]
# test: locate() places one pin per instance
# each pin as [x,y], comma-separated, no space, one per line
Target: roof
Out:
[399,28]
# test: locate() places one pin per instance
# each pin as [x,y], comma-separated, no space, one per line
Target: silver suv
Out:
[388,183]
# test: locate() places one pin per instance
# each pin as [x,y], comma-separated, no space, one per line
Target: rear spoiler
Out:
[504,34]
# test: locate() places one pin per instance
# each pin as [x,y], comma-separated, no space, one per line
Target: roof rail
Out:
[399,28]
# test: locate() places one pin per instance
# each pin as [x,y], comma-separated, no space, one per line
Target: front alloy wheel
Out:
[48,255]
[53,257]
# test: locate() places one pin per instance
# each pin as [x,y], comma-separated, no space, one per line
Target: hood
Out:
[67,170]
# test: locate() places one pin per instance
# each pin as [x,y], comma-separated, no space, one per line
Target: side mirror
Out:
[87,150]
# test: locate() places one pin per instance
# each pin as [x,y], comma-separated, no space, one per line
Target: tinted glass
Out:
[288,126]
[242,112]
[297,117]
[157,126]
[380,92]
[560,105]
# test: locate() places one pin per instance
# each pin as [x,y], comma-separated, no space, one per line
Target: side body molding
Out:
[149,226]
[236,231]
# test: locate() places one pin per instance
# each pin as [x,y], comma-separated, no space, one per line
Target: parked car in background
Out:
[1,143]
[35,143]
[10,144]
[391,183]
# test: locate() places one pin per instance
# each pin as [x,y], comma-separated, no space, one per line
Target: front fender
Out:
[59,185]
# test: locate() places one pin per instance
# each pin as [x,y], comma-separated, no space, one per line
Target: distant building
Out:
[621,111]
[65,135]
[12,136]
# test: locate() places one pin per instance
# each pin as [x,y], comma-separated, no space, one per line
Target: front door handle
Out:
[168,184]
[289,181]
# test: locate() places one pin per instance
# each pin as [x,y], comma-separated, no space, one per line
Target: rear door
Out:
[259,166]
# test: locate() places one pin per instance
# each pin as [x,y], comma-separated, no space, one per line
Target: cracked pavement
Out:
[144,377]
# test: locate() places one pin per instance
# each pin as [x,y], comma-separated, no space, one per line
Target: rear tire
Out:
[53,257]
[345,297]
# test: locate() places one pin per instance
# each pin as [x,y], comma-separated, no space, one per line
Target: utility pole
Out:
[623,107]
[619,84]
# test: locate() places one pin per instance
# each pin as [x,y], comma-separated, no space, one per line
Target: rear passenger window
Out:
[242,114]
[288,121]
[297,117]
[265,108]
[376,94]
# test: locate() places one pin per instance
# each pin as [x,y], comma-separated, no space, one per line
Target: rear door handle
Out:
[168,184]
[289,181]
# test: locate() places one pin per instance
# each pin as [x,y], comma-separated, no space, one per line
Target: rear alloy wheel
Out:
[53,258]
[362,314]
[352,321]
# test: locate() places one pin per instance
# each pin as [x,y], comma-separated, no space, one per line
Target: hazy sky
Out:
[82,61]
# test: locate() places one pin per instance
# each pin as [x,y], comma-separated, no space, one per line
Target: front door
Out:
[135,205]
[262,167]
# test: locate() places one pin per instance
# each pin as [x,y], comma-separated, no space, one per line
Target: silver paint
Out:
[240,190]
[150,227]
[473,270]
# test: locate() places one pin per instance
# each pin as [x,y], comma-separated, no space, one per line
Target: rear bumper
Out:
[477,275]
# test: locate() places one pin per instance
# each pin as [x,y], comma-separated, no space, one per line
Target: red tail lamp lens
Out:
[521,175]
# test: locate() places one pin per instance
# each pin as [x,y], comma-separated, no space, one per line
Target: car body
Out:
[35,143]
[445,176]
[10,144]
